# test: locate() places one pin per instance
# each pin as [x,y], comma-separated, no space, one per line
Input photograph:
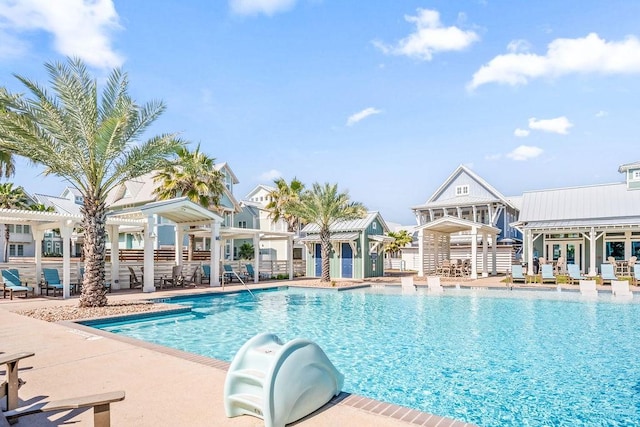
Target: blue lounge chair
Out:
[636,274]
[517,274]
[574,274]
[546,274]
[206,274]
[229,274]
[51,281]
[607,273]
[11,284]
[251,273]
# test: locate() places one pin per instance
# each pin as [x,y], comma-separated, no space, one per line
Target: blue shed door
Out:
[318,259]
[347,260]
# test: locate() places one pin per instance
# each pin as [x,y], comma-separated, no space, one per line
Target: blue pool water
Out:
[493,358]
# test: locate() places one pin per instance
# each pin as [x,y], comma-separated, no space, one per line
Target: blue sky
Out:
[385,98]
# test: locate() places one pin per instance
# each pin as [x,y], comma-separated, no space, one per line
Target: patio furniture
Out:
[628,265]
[617,266]
[433,284]
[607,273]
[560,266]
[573,271]
[620,289]
[134,282]
[517,274]
[51,281]
[206,274]
[230,273]
[176,279]
[252,274]
[9,387]
[588,288]
[444,269]
[636,274]
[11,284]
[546,274]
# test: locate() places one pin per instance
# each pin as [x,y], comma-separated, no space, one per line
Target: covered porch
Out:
[434,244]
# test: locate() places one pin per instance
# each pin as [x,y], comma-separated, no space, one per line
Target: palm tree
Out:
[283,196]
[402,238]
[7,164]
[92,140]
[10,198]
[191,174]
[323,205]
[39,207]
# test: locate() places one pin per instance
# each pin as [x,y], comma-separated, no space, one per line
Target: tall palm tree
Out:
[402,238]
[10,198]
[92,140]
[323,205]
[283,196]
[191,174]
[7,164]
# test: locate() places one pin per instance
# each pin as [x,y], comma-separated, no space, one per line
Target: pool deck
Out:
[164,387]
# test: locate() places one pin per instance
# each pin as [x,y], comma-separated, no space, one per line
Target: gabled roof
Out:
[257,189]
[60,204]
[452,224]
[351,225]
[581,203]
[225,166]
[628,166]
[180,211]
[434,200]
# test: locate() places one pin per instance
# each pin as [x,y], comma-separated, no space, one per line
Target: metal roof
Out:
[600,203]
[352,225]
[452,224]
[568,224]
[336,237]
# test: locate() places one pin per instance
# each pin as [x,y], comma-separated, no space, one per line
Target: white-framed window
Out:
[242,224]
[462,190]
[635,175]
[19,228]
[374,225]
[16,250]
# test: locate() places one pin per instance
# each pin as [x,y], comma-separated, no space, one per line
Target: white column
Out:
[114,238]
[256,257]
[528,241]
[485,252]
[494,254]
[214,280]
[178,243]
[474,253]
[38,237]
[149,240]
[421,253]
[65,232]
[593,268]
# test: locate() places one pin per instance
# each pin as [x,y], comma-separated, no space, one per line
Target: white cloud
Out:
[429,37]
[558,125]
[521,133]
[525,152]
[361,115]
[602,113]
[492,157]
[270,175]
[79,27]
[589,54]
[518,46]
[254,7]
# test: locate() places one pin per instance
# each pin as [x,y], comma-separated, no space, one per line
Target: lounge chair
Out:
[134,282]
[636,274]
[517,274]
[433,284]
[11,284]
[51,281]
[620,289]
[176,279]
[252,274]
[206,274]
[107,285]
[546,274]
[588,288]
[574,274]
[607,273]
[229,273]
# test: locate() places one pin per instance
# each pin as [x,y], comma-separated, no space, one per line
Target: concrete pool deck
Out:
[164,387]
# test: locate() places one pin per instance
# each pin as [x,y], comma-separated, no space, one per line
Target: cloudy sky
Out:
[385,98]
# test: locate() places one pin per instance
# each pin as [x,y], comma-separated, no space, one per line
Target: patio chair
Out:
[561,265]
[134,282]
[620,289]
[11,284]
[517,274]
[546,274]
[51,281]
[252,274]
[206,274]
[607,273]
[433,284]
[176,279]
[588,288]
[573,270]
[444,269]
[229,273]
[636,274]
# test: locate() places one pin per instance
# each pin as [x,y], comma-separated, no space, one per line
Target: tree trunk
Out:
[6,243]
[325,251]
[94,293]
[191,248]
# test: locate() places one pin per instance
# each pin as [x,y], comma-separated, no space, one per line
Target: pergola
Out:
[434,243]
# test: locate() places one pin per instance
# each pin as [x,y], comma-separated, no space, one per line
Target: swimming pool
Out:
[491,358]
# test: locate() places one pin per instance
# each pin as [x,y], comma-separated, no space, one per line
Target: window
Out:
[242,224]
[374,225]
[462,190]
[16,250]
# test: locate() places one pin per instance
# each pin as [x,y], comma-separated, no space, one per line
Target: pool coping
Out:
[372,406]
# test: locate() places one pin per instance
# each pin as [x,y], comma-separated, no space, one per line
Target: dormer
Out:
[632,173]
